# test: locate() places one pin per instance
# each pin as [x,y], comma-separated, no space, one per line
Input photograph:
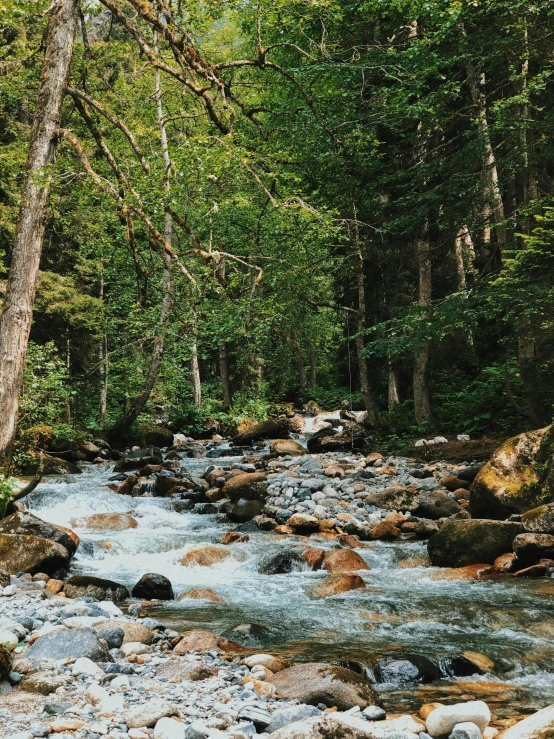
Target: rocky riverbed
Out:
[227,592]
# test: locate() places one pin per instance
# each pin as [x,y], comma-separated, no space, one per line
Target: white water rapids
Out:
[404,611]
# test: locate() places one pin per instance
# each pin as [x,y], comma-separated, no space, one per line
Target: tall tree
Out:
[17,312]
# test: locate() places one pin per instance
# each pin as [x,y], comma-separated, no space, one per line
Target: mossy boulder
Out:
[539,520]
[469,542]
[516,479]
[32,554]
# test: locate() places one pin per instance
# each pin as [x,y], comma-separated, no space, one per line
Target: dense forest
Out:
[248,205]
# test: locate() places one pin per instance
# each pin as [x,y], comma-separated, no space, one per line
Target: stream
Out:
[404,612]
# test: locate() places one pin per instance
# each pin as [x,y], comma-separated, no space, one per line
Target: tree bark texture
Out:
[422,403]
[224,374]
[17,312]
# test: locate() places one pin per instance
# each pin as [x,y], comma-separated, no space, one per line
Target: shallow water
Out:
[402,611]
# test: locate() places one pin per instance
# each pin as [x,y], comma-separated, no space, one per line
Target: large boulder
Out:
[271,429]
[286,446]
[529,548]
[331,726]
[205,556]
[469,542]
[21,553]
[153,587]
[435,505]
[205,641]
[95,587]
[132,631]
[510,482]
[57,466]
[250,485]
[244,510]
[24,522]
[394,498]
[319,682]
[539,520]
[343,561]
[158,436]
[538,726]
[71,643]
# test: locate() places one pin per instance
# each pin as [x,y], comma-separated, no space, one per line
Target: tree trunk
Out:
[422,403]
[17,312]
[194,366]
[526,357]
[313,366]
[224,374]
[393,397]
[494,207]
[299,360]
[103,364]
[368,395]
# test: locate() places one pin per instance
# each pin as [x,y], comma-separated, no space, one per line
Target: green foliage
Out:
[6,493]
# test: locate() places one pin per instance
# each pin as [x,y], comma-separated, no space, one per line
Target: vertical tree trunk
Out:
[299,360]
[494,207]
[17,312]
[224,374]
[313,366]
[393,397]
[102,362]
[194,366]
[422,403]
[368,395]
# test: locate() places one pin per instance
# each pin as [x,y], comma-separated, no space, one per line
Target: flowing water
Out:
[403,612]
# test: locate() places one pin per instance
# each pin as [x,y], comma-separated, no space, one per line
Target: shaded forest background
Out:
[357,197]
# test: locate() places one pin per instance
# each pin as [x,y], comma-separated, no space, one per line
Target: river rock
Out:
[435,505]
[303,523]
[132,630]
[244,510]
[283,562]
[54,466]
[112,635]
[153,587]
[342,561]
[107,521]
[314,556]
[148,714]
[178,668]
[468,542]
[319,682]
[466,730]
[539,520]
[169,728]
[250,485]
[384,531]
[509,482]
[5,661]
[43,682]
[288,715]
[286,446]
[21,553]
[272,429]
[538,726]
[338,584]
[442,720]
[24,522]
[95,587]
[205,641]
[394,498]
[136,463]
[201,594]
[72,643]
[205,556]
[529,548]
[265,660]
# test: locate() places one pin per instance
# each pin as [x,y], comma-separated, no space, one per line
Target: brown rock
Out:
[126,487]
[283,529]
[505,563]
[205,556]
[428,708]
[250,486]
[334,471]
[315,683]
[21,553]
[303,523]
[529,548]
[454,483]
[5,661]
[352,542]
[26,523]
[461,495]
[397,519]
[408,527]
[232,537]
[483,663]
[327,524]
[471,572]
[54,586]
[201,594]
[314,557]
[261,687]
[343,561]
[65,724]
[372,458]
[205,641]
[133,631]
[177,670]
[214,494]
[215,474]
[43,683]
[96,587]
[410,562]
[287,446]
[472,541]
[339,584]
[265,660]
[384,531]
[107,521]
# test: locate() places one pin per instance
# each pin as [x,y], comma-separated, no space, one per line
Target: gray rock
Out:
[196,730]
[288,715]
[374,713]
[113,635]
[466,730]
[256,715]
[72,643]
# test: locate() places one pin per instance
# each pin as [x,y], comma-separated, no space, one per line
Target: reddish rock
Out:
[343,561]
[204,556]
[232,537]
[201,594]
[205,641]
[314,557]
[385,531]
[339,584]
